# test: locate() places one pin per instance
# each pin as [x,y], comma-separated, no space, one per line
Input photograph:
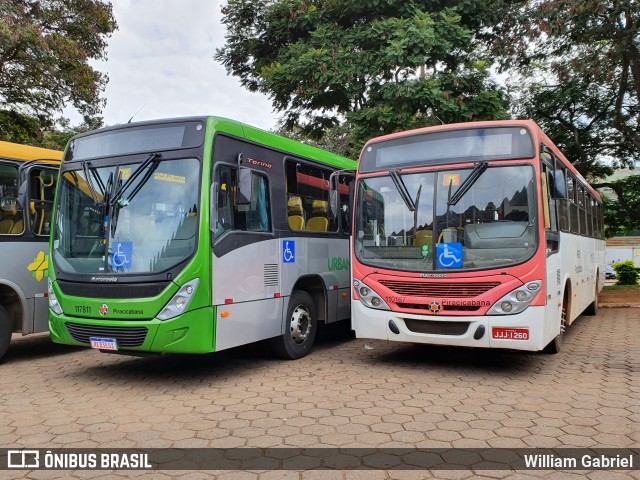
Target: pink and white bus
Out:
[476,234]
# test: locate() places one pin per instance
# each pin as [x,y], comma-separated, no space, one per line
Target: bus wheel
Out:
[300,330]
[592,309]
[556,344]
[5,331]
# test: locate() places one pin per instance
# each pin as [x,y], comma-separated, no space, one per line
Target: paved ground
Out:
[347,393]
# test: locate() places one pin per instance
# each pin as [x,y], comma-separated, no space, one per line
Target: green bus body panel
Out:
[187,333]
[194,330]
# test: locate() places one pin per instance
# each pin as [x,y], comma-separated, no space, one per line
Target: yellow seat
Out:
[296,213]
[17,228]
[319,222]
[296,222]
[6,225]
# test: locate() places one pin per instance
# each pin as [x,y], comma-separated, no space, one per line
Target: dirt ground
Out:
[619,295]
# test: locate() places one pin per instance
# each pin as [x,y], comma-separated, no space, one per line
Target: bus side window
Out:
[223,218]
[258,213]
[228,214]
[10,213]
[311,185]
[573,205]
[42,183]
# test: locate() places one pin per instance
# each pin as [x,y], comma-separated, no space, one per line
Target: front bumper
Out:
[372,323]
[191,332]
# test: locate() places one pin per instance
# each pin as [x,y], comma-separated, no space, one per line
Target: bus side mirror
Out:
[244,193]
[22,194]
[333,204]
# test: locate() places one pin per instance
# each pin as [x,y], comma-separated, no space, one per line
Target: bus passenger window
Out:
[258,213]
[310,185]
[10,213]
[228,214]
[42,188]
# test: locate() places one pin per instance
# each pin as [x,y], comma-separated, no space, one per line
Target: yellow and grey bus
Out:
[28,178]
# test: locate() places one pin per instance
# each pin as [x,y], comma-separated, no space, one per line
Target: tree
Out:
[579,66]
[622,214]
[374,67]
[45,49]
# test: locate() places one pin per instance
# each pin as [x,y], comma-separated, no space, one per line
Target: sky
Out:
[160,61]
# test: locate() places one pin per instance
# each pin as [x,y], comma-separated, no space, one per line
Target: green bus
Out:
[195,235]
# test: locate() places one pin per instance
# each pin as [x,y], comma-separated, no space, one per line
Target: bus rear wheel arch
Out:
[301,326]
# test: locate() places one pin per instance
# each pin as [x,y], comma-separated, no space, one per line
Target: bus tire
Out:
[300,329]
[592,309]
[5,331]
[556,344]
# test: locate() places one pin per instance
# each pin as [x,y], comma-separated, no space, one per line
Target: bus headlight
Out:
[517,300]
[180,301]
[368,297]
[53,300]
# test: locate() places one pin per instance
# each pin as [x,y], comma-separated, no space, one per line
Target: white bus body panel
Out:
[581,266]
[372,323]
[253,284]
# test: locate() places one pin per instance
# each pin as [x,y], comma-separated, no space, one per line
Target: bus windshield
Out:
[488,223]
[147,232]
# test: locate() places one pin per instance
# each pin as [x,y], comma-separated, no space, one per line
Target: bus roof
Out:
[16,151]
[253,134]
[532,125]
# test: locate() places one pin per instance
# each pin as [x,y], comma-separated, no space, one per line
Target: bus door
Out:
[341,208]
[38,186]
[552,182]
[245,261]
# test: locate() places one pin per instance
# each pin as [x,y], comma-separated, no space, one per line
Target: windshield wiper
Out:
[153,158]
[116,201]
[467,184]
[402,190]
[92,189]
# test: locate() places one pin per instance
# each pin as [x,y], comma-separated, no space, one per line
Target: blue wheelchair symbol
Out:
[120,257]
[449,255]
[288,251]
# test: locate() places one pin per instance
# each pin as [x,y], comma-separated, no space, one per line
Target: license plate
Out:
[104,343]
[510,333]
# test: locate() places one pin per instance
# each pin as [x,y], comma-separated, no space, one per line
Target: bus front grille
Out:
[439,289]
[125,336]
[437,327]
[112,290]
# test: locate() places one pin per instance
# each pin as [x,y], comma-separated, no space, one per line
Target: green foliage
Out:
[371,67]
[579,75]
[626,273]
[622,214]
[45,50]
[18,128]
[26,130]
